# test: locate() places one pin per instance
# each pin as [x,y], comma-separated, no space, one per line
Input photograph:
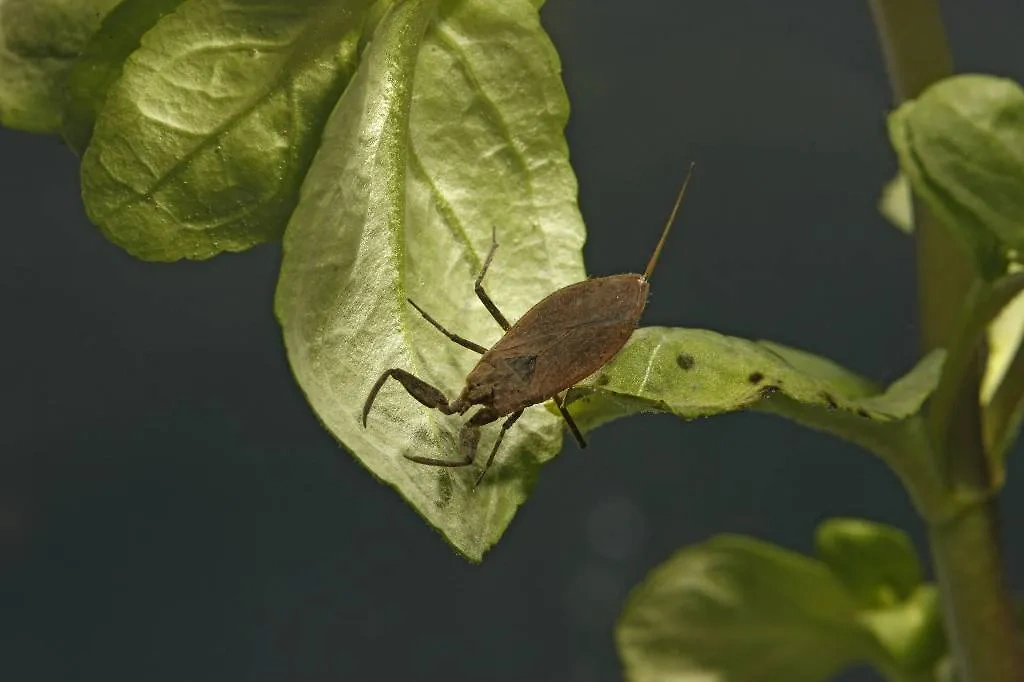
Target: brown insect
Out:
[566,337]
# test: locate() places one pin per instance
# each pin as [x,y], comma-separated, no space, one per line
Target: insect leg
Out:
[465,343]
[417,388]
[506,425]
[479,286]
[559,403]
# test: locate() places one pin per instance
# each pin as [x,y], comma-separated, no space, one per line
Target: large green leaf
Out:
[961,145]
[204,139]
[400,201]
[92,75]
[735,609]
[39,41]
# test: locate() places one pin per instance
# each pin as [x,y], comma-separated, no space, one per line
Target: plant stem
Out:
[969,570]
[966,548]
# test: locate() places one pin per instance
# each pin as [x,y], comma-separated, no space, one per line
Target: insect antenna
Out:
[668,224]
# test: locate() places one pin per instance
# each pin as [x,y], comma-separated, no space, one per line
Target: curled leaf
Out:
[961,146]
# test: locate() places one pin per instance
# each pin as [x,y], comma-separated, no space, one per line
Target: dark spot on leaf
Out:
[767,392]
[755,377]
[863,413]
[685,361]
[602,380]
[829,399]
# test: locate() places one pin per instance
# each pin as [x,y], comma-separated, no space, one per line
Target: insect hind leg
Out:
[560,404]
[478,287]
[416,387]
[469,437]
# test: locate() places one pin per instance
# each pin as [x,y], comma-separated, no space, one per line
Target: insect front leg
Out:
[462,341]
[417,388]
[479,286]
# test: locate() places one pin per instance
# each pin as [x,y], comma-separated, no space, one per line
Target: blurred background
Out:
[170,508]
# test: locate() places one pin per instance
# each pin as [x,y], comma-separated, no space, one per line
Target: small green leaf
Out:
[735,609]
[961,145]
[205,137]
[877,563]
[92,75]
[39,41]
[912,632]
[896,203]
[400,201]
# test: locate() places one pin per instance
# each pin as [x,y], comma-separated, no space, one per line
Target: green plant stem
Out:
[981,626]
[966,548]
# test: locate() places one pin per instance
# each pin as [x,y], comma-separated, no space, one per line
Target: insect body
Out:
[564,338]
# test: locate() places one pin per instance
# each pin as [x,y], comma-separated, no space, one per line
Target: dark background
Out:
[170,509]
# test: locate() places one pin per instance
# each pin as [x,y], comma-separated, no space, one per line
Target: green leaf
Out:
[205,137]
[735,609]
[912,632]
[877,563]
[39,41]
[698,373]
[400,201]
[896,203]
[961,145]
[92,75]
